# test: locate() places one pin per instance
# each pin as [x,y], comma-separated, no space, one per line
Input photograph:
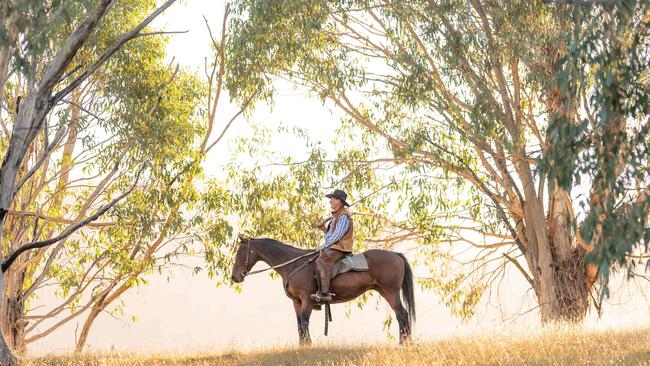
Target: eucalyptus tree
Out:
[171,217]
[158,109]
[523,122]
[52,55]
[135,108]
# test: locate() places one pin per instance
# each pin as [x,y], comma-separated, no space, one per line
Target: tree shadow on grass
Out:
[286,357]
[302,356]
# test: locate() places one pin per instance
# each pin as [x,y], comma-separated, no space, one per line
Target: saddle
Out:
[350,262]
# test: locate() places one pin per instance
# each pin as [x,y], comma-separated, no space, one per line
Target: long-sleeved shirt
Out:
[332,236]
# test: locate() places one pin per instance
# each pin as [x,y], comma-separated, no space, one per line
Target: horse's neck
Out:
[273,253]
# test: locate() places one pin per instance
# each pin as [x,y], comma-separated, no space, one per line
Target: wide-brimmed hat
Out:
[340,195]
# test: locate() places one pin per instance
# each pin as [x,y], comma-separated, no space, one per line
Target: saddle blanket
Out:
[356,262]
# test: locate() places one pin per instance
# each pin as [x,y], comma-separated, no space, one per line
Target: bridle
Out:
[245,273]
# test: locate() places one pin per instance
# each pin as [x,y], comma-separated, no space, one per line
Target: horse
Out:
[388,273]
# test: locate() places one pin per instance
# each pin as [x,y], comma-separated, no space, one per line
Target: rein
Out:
[248,252]
[328,311]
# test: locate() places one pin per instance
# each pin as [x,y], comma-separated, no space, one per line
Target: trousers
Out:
[324,264]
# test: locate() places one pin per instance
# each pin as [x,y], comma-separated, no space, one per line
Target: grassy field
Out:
[562,346]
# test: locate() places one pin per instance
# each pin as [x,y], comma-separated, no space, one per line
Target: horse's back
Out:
[385,266]
[385,271]
[383,259]
[380,257]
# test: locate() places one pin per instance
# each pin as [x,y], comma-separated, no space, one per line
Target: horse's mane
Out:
[277,243]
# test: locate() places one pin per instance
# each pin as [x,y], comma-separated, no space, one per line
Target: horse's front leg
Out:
[305,314]
[297,307]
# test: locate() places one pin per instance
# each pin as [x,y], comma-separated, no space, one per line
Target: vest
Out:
[346,243]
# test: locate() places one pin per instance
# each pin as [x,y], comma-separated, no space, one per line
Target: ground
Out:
[551,346]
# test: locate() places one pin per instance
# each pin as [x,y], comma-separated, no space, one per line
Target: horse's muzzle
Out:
[237,279]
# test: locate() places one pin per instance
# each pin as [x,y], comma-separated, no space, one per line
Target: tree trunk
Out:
[85,330]
[568,277]
[538,249]
[570,299]
[100,304]
[6,356]
[13,314]
[13,320]
[23,134]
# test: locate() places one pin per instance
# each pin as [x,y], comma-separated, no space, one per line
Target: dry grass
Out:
[560,346]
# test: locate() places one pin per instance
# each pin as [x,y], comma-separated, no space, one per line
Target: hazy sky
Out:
[189,313]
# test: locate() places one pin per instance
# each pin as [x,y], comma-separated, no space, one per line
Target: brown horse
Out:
[388,273]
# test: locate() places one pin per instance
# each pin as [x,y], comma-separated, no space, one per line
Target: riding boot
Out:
[323,296]
[324,265]
[316,306]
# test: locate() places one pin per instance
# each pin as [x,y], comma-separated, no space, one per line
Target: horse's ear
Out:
[241,238]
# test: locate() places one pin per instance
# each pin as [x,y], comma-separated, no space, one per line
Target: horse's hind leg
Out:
[393,299]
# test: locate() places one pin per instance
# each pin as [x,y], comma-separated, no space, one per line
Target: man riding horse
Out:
[388,273]
[338,243]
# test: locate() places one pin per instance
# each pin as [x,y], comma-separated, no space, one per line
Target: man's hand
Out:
[320,226]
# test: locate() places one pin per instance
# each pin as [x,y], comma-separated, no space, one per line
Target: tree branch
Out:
[69,231]
[521,269]
[134,33]
[48,149]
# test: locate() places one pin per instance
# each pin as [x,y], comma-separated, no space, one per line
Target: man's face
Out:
[335,203]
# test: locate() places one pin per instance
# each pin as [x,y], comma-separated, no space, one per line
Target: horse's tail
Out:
[407,289]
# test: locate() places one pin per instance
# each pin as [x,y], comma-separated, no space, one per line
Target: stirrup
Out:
[320,297]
